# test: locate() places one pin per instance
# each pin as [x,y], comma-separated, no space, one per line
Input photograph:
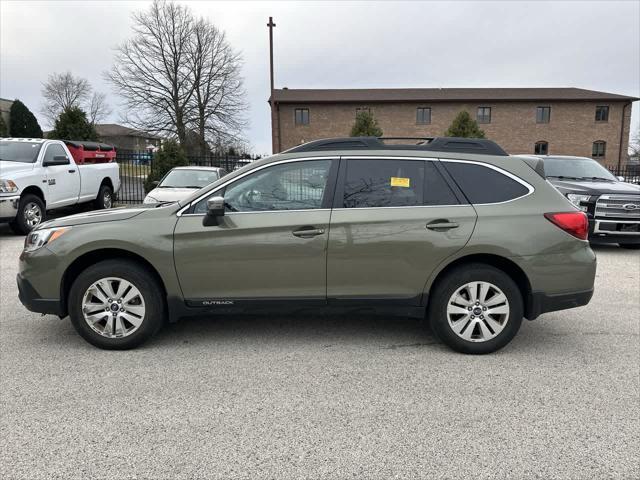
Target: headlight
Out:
[7,186]
[39,238]
[149,199]
[576,199]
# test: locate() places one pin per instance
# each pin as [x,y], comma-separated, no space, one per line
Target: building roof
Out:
[286,95]
[113,129]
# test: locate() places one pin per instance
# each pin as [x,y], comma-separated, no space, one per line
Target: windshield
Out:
[580,168]
[24,152]
[189,178]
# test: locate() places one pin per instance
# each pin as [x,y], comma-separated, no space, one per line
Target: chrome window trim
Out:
[210,192]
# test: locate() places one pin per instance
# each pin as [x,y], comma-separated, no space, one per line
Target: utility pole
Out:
[271,25]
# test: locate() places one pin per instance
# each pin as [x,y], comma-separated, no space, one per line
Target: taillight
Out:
[574,223]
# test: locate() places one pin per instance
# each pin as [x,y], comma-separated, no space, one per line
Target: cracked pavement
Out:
[325,396]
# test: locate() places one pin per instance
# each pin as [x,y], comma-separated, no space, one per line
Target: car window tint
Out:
[383,183]
[290,186]
[54,151]
[484,185]
[436,189]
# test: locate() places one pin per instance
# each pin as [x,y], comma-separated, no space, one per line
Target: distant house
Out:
[5,107]
[125,138]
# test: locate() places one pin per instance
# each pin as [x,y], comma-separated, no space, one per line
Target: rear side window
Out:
[383,183]
[484,185]
[436,189]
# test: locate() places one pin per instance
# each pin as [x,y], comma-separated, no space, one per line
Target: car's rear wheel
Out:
[630,246]
[116,305]
[104,198]
[476,308]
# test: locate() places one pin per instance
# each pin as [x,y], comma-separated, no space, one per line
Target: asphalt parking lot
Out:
[325,397]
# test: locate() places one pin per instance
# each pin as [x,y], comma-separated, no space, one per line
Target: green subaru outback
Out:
[453,230]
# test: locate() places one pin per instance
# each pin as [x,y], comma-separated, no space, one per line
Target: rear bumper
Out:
[540,302]
[30,298]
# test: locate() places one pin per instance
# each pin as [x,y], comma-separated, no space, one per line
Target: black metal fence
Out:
[629,173]
[135,167]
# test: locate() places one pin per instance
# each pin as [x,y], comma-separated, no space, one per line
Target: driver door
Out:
[271,243]
[62,181]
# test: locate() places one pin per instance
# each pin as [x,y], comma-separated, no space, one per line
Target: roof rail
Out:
[436,144]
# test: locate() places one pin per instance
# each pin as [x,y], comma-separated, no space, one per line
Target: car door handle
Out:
[441,225]
[306,232]
[72,171]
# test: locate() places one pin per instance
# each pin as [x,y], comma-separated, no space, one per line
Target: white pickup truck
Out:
[37,175]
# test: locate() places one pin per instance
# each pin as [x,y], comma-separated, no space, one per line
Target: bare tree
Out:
[218,100]
[98,109]
[152,70]
[61,91]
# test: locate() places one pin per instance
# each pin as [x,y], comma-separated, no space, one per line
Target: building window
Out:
[302,116]
[362,109]
[543,114]
[484,115]
[599,149]
[423,116]
[602,113]
[541,148]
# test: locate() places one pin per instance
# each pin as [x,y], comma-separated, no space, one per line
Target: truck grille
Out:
[625,207]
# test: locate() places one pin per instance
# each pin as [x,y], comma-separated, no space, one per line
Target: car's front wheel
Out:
[476,308]
[116,305]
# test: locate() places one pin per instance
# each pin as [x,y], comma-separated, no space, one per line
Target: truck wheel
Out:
[31,213]
[104,198]
[476,309]
[630,246]
[116,305]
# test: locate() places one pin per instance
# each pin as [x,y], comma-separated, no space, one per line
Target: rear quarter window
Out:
[482,184]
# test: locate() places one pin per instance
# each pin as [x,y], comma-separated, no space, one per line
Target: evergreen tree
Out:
[4,132]
[22,123]
[464,126]
[366,125]
[72,124]
[169,156]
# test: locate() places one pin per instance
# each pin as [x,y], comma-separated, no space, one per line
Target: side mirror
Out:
[215,209]
[56,160]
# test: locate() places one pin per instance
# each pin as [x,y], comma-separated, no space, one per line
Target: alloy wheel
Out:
[106,199]
[113,307]
[478,311]
[32,214]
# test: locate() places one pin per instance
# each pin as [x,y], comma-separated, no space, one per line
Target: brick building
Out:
[562,121]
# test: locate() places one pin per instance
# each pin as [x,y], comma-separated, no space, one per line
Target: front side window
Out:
[484,115]
[541,148]
[54,151]
[302,116]
[423,116]
[383,183]
[599,149]
[482,184]
[602,113]
[543,114]
[289,186]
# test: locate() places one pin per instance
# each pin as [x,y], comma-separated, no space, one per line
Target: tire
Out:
[630,246]
[485,332]
[104,198]
[31,213]
[144,310]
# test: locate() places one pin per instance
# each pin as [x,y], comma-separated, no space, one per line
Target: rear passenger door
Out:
[394,220]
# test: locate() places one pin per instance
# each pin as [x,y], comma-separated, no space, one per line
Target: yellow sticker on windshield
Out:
[399,182]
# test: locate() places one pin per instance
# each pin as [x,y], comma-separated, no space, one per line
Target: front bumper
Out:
[614,231]
[9,207]
[32,300]
[540,302]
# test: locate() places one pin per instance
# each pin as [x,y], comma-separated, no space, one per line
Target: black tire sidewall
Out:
[443,290]
[19,225]
[100,199]
[142,279]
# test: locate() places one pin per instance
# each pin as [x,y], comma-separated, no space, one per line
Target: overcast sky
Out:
[594,45]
